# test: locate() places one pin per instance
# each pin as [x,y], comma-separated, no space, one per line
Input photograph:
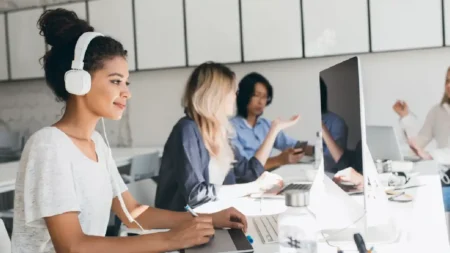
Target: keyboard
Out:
[441,156]
[412,158]
[267,227]
[280,194]
[295,186]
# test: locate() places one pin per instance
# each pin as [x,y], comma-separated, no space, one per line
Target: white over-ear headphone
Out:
[78,81]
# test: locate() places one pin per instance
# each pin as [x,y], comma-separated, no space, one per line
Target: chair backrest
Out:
[144,191]
[144,166]
[5,242]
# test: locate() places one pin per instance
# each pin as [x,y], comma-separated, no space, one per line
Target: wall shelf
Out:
[185,33]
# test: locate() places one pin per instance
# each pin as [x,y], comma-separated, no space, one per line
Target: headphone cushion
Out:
[78,82]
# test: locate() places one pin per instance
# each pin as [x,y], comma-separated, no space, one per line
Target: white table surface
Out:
[122,156]
[422,222]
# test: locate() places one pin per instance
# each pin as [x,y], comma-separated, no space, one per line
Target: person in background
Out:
[254,95]
[67,181]
[335,125]
[199,165]
[436,127]
[348,166]
[349,175]
[342,157]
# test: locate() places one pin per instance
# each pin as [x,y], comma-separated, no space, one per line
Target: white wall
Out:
[417,76]
[27,106]
[386,76]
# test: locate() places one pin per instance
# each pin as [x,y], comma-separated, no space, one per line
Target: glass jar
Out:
[297,226]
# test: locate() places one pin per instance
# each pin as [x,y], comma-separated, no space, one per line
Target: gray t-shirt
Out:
[55,177]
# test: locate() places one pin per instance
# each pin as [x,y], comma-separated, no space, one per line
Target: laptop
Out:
[383,143]
[300,183]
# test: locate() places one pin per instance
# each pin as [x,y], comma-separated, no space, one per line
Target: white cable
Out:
[338,231]
[115,186]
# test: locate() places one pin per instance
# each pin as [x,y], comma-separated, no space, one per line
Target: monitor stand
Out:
[340,216]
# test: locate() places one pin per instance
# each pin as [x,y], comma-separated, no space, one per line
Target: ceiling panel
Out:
[6,5]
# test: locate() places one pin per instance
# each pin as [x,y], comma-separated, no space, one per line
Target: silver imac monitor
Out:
[344,147]
[341,117]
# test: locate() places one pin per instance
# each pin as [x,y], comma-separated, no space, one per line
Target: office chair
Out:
[5,242]
[142,167]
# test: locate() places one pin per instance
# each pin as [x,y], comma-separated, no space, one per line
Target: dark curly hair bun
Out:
[62,27]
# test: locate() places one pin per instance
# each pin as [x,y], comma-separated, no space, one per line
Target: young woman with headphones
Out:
[68,182]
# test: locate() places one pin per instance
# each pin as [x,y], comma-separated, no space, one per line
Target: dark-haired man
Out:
[336,126]
[255,94]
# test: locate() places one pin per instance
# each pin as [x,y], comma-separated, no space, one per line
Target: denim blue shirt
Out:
[184,173]
[338,130]
[248,139]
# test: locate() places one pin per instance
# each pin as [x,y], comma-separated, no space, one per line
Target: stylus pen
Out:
[359,241]
[408,187]
[189,209]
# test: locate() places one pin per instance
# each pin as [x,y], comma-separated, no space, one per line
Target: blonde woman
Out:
[436,127]
[198,164]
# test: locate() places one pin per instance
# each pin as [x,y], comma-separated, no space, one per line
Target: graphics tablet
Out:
[224,241]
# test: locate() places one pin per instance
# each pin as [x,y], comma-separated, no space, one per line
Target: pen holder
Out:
[383,166]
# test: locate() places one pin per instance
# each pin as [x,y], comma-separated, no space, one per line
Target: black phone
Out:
[302,145]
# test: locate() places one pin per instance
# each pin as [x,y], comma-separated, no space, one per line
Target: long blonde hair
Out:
[446,98]
[204,101]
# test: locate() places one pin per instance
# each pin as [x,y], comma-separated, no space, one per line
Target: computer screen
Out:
[344,147]
[341,116]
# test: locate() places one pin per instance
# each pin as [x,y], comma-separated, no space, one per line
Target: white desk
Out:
[122,156]
[422,221]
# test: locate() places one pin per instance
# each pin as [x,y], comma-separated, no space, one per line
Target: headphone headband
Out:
[81,47]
